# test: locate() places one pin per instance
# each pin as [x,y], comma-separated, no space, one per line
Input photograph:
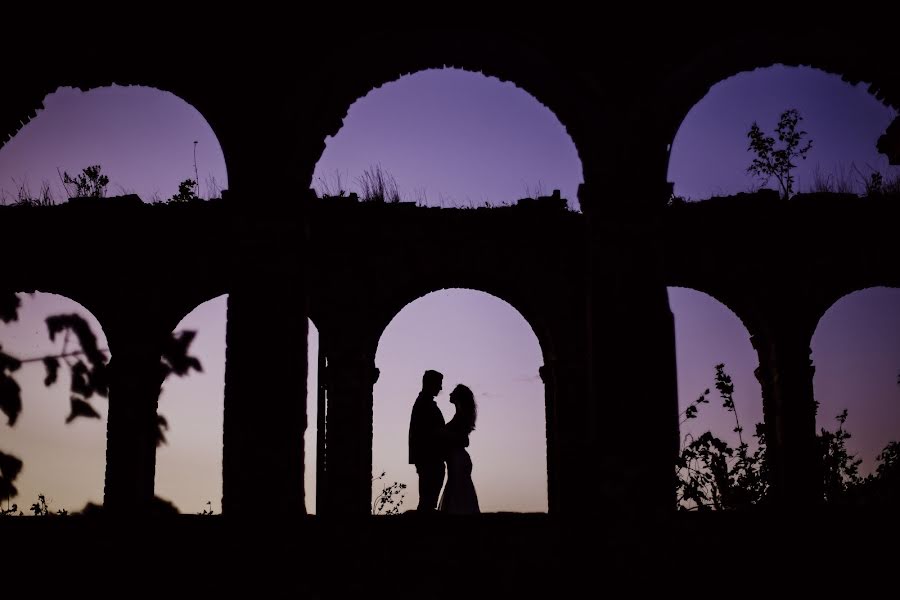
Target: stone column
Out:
[565,390]
[265,366]
[351,375]
[785,374]
[634,382]
[135,380]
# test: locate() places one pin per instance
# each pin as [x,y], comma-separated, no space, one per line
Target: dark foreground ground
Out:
[491,556]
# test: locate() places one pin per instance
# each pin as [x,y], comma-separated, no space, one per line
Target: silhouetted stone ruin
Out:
[592,285]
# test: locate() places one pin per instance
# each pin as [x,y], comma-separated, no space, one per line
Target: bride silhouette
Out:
[459,492]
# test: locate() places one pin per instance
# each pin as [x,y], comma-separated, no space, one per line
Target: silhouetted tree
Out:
[778,163]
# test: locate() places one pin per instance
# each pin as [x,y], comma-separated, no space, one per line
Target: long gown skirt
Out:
[459,496]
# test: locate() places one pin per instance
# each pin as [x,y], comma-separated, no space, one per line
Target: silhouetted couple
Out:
[434,444]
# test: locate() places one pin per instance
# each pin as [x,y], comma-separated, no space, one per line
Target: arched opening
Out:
[856,353]
[189,464]
[60,432]
[707,334]
[145,140]
[451,138]
[475,339]
[709,154]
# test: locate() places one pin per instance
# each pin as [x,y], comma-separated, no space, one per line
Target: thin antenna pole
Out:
[196,176]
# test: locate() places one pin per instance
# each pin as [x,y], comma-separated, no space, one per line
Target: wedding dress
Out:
[459,495]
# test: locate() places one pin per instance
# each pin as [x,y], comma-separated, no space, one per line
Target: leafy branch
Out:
[89,374]
[710,473]
[389,500]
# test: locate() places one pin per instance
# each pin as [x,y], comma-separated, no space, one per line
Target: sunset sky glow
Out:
[497,144]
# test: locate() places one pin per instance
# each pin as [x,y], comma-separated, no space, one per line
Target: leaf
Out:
[9,470]
[9,466]
[82,330]
[162,425]
[80,408]
[52,365]
[80,382]
[9,306]
[9,363]
[175,356]
[10,398]
[99,379]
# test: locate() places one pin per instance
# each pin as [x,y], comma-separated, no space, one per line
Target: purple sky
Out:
[475,339]
[142,137]
[856,351]
[454,138]
[707,333]
[496,144]
[64,462]
[709,155]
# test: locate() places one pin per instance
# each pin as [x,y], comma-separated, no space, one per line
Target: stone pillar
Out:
[260,157]
[785,374]
[569,493]
[135,380]
[351,374]
[265,367]
[628,177]
[634,381]
[548,373]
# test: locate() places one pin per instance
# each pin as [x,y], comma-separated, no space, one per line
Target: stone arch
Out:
[746,49]
[856,354]
[64,456]
[699,326]
[451,137]
[163,93]
[709,154]
[520,402]
[189,464]
[353,297]
[732,298]
[517,299]
[176,308]
[850,288]
[376,60]
[70,289]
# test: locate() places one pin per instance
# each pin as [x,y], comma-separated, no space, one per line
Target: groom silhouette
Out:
[425,448]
